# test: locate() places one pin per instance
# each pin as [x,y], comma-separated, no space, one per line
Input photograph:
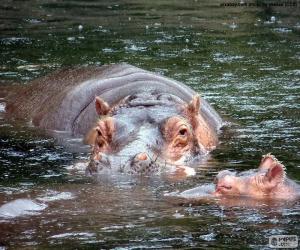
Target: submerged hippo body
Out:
[144,117]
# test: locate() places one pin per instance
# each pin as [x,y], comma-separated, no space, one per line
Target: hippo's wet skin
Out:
[268,182]
[148,131]
[136,121]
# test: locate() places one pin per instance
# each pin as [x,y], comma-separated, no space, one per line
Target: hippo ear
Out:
[267,161]
[204,134]
[275,174]
[102,107]
[194,105]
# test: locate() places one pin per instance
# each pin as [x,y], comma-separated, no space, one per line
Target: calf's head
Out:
[260,183]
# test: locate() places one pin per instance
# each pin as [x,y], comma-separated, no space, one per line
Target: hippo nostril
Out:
[142,157]
[143,164]
[100,159]
[97,157]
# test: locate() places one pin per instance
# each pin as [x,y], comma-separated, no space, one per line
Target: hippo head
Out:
[260,183]
[144,132]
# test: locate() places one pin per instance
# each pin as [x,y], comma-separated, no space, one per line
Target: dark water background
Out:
[244,60]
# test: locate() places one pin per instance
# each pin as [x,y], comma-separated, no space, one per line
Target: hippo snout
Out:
[141,163]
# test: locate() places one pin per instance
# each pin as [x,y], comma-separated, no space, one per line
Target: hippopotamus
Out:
[134,119]
[268,182]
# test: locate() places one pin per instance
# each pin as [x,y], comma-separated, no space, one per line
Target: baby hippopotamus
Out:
[268,181]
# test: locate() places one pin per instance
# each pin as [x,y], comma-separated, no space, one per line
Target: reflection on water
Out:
[245,61]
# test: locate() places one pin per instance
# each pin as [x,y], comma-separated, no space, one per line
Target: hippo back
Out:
[64,100]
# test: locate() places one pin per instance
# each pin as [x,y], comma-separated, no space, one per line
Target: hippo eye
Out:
[183,131]
[228,187]
[100,141]
[99,132]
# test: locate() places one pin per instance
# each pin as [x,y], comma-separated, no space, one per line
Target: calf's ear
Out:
[267,161]
[102,107]
[275,175]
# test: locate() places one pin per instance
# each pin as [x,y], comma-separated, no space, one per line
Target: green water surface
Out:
[244,60]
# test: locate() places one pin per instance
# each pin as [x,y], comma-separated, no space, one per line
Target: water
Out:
[245,61]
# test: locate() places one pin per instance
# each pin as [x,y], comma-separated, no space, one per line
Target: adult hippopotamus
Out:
[135,119]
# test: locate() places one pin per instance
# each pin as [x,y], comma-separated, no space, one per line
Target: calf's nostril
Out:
[142,157]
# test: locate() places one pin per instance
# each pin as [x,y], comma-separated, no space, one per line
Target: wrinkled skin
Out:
[136,121]
[268,181]
[149,132]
